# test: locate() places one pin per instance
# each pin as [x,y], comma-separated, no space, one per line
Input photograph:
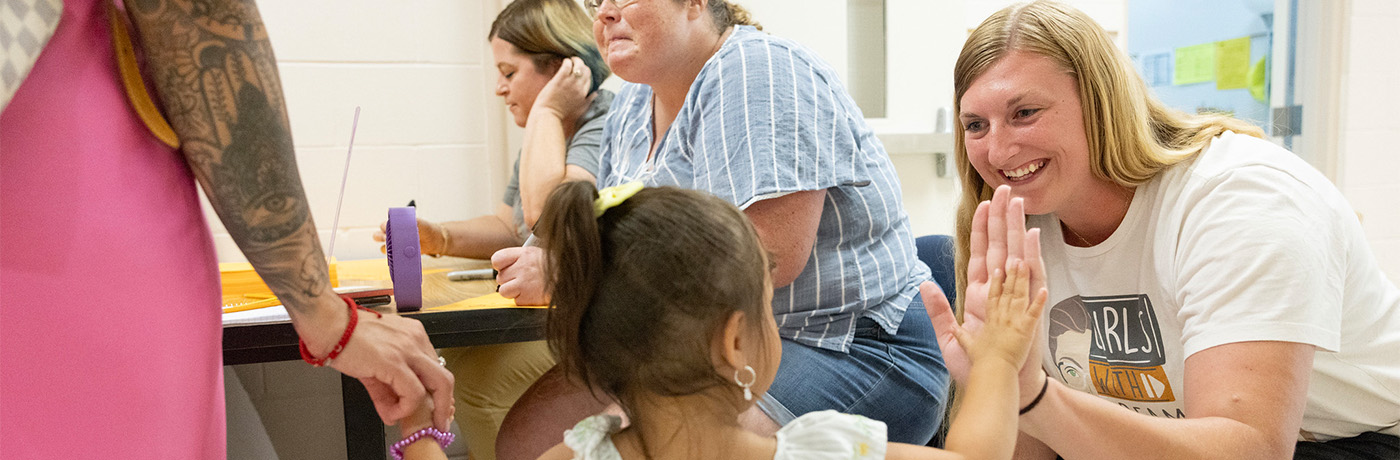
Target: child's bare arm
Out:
[427,447]
[558,452]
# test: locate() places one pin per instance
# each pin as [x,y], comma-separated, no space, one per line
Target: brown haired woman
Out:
[549,72]
[1234,308]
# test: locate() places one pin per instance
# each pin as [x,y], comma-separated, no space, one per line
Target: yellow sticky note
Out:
[1194,64]
[486,302]
[1232,63]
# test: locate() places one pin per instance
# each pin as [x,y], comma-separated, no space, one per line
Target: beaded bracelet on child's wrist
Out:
[443,439]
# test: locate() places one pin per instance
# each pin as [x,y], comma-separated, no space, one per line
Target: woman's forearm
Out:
[482,236]
[542,161]
[1083,426]
[218,83]
[1242,400]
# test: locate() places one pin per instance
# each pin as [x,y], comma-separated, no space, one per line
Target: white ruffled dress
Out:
[825,435]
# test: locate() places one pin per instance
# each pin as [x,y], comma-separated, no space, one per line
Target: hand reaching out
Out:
[392,357]
[432,237]
[521,275]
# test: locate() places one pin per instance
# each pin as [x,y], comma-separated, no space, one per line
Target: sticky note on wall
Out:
[1232,63]
[1194,64]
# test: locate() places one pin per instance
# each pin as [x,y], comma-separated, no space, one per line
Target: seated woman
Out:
[1211,295]
[550,70]
[719,106]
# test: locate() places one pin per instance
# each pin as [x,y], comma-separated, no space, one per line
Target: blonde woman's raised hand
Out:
[1012,317]
[998,234]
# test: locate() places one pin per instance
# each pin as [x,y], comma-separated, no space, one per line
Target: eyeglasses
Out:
[594,5]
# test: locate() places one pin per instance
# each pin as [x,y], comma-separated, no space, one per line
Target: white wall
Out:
[430,128]
[1368,158]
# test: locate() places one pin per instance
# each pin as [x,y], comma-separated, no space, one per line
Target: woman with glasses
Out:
[714,104]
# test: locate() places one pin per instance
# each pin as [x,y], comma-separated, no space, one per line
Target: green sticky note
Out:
[1258,80]
[1194,64]
[1232,63]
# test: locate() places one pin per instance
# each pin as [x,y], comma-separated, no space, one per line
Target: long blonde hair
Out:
[1131,135]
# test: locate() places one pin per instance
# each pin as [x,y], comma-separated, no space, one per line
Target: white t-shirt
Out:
[1246,242]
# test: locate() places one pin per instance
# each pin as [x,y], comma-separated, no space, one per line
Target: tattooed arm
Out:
[217,79]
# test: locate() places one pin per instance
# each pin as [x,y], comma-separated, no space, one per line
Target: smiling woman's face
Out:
[1024,127]
[518,81]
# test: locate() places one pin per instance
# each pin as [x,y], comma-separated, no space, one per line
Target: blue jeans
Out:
[896,378]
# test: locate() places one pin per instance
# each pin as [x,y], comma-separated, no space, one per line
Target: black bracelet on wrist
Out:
[1043,387]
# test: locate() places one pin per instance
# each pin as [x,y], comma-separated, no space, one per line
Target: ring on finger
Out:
[442,361]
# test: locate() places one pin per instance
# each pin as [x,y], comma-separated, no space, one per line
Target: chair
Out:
[937,252]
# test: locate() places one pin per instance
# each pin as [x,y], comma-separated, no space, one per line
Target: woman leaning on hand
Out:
[549,72]
[1211,295]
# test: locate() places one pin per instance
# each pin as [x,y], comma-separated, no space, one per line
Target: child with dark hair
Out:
[662,302]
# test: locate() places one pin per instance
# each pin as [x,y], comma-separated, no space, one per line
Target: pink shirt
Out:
[109,320]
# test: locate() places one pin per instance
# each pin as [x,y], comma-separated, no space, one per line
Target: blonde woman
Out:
[1234,309]
[549,72]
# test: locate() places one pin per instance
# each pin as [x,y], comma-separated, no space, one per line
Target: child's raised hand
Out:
[1011,318]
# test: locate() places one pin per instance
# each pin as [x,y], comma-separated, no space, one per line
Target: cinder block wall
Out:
[1367,154]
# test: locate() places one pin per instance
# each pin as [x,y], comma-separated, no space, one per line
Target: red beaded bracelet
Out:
[344,339]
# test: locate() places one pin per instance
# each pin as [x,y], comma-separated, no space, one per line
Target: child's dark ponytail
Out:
[640,291]
[574,258]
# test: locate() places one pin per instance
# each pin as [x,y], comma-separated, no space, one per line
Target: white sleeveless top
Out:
[825,435]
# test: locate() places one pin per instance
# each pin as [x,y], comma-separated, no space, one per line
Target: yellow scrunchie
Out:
[613,196]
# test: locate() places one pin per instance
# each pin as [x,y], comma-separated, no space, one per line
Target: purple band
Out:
[405,265]
[443,439]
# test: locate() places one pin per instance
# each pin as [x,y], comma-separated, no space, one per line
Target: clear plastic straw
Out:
[335,224]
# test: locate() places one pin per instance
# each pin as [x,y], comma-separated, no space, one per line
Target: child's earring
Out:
[748,394]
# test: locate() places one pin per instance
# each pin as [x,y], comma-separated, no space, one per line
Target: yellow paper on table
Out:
[1232,63]
[238,279]
[486,302]
[1194,64]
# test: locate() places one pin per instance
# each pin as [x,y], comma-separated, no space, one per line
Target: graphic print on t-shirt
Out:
[1110,345]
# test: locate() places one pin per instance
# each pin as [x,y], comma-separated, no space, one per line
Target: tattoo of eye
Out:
[267,196]
[217,78]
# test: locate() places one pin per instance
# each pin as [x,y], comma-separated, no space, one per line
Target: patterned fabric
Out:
[25,26]
[824,435]
[591,438]
[764,118]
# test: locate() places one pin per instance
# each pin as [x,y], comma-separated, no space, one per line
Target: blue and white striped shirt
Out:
[764,118]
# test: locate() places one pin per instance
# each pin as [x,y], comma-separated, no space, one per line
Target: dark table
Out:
[364,431]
